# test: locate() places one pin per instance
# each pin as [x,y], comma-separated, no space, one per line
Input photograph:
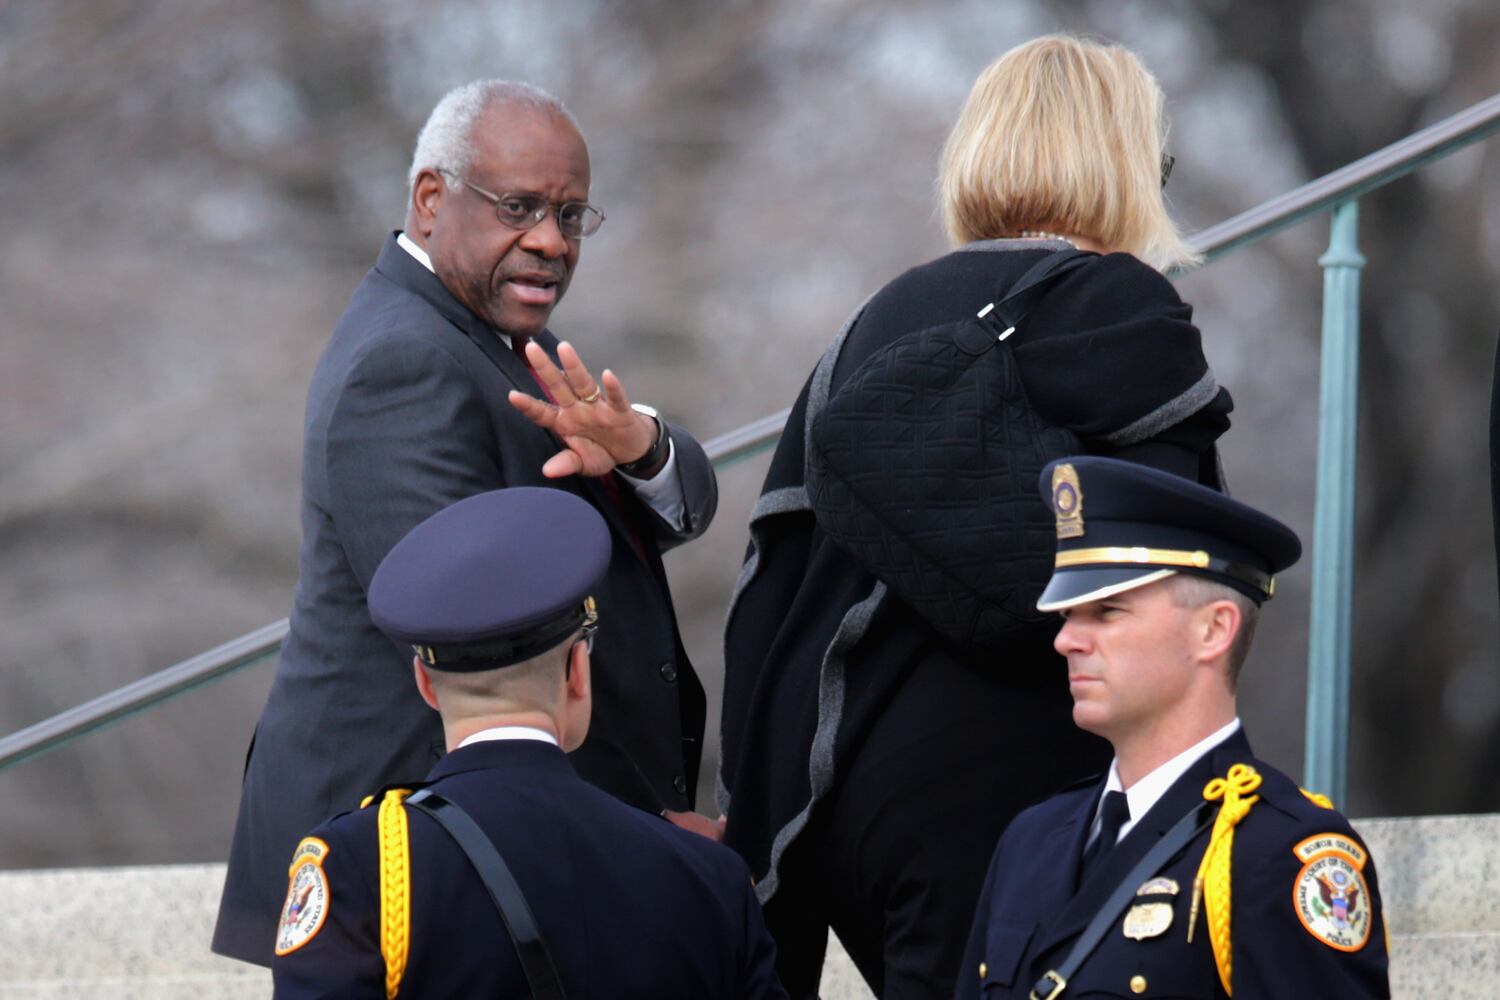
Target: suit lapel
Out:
[1184,795]
[399,266]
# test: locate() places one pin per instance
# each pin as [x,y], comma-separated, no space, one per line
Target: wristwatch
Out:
[642,467]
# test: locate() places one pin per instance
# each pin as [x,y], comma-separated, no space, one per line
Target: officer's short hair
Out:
[1068,134]
[1190,591]
[531,684]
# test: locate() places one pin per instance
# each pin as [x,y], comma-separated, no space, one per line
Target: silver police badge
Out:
[1147,920]
[1151,918]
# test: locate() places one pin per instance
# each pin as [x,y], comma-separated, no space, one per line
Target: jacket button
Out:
[984,970]
[1137,984]
[680,783]
[668,673]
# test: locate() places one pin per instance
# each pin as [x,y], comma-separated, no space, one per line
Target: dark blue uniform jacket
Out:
[1032,909]
[629,905]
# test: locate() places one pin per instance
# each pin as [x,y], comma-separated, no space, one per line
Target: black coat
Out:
[1032,908]
[816,647]
[629,905]
[408,413]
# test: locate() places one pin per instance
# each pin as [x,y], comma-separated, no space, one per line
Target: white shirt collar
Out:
[508,733]
[411,247]
[406,243]
[1145,793]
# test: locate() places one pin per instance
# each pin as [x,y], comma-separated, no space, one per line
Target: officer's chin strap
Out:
[1213,881]
[395,888]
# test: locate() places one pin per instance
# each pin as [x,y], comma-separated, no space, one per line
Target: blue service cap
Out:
[494,579]
[1121,525]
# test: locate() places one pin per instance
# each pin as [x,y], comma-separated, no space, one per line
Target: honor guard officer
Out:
[505,874]
[1194,869]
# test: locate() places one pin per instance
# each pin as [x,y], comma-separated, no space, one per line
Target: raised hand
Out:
[593,418]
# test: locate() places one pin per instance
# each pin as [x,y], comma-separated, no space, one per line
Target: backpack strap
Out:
[1011,307]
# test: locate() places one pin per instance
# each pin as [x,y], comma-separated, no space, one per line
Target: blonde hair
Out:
[1062,134]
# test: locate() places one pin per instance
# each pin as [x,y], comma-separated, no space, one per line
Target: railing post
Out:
[1327,758]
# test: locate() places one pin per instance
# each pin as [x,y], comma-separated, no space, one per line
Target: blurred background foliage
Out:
[191,188]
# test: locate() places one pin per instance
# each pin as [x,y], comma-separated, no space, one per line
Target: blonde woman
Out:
[869,763]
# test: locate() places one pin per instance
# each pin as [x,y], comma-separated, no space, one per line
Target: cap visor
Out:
[1070,587]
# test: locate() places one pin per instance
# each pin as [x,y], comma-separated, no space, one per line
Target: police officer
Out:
[1193,869]
[505,874]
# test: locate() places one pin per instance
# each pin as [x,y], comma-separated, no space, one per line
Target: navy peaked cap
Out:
[1121,525]
[494,579]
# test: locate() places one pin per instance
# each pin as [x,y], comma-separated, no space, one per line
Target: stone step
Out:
[1436,873]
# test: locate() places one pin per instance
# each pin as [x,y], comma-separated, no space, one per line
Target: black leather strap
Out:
[1028,290]
[536,962]
[1052,984]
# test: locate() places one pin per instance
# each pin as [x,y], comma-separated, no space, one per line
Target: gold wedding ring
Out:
[591,397]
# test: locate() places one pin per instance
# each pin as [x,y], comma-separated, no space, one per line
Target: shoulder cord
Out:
[1213,880]
[395,888]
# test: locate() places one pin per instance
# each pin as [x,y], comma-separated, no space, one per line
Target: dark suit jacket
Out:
[1032,908]
[407,413]
[629,905]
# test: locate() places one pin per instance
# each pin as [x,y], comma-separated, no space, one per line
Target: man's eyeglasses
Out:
[1167,162]
[521,210]
[590,626]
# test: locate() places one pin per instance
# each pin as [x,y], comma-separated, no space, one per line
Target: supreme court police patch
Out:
[1330,895]
[306,905]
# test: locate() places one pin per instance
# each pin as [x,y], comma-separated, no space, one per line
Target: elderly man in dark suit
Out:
[442,381]
[598,899]
[1193,869]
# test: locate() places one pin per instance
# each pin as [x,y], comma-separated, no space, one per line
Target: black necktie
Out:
[1113,814]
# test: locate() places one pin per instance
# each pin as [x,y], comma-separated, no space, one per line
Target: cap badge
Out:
[1067,501]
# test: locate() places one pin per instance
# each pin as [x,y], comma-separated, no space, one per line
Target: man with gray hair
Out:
[442,381]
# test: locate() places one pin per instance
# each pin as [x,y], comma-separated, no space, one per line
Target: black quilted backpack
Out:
[924,464]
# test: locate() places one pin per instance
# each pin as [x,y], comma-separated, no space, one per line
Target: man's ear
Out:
[578,672]
[424,682]
[426,196]
[1218,624]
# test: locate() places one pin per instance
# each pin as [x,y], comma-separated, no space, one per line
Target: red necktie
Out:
[609,482]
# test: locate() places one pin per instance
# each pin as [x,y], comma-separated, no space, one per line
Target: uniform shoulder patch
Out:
[307,897]
[1330,895]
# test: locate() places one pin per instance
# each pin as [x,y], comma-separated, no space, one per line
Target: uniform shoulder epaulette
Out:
[1287,797]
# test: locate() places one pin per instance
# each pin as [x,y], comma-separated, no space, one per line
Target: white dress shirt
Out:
[1145,793]
[662,492]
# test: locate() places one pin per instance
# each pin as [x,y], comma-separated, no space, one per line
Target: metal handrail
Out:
[151,690]
[249,649]
[1476,122]
[1471,125]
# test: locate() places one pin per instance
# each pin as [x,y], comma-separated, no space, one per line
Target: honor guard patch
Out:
[1333,901]
[1332,843]
[1067,501]
[306,905]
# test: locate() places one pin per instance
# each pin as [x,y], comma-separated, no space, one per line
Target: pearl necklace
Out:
[1038,234]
